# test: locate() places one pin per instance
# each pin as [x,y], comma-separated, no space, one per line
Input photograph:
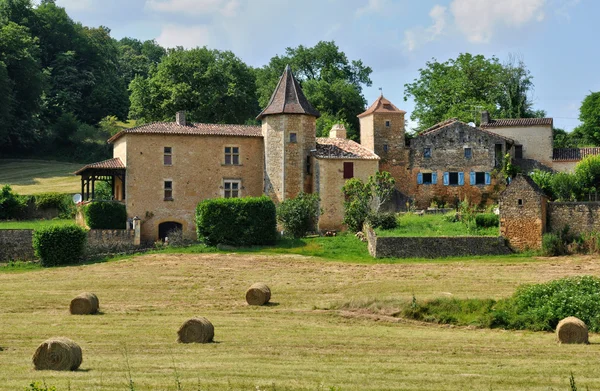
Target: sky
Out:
[557,39]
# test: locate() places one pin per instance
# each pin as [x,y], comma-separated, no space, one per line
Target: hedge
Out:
[237,221]
[299,215]
[105,215]
[62,202]
[12,205]
[59,245]
[487,220]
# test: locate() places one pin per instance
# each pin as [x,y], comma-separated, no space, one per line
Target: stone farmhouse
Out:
[162,170]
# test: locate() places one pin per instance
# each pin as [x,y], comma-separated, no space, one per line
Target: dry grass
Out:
[40,176]
[288,343]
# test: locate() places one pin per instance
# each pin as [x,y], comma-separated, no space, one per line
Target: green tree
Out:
[563,139]
[212,86]
[382,185]
[587,173]
[332,83]
[357,204]
[465,86]
[589,115]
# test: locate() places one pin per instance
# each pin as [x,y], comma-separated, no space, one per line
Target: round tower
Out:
[289,132]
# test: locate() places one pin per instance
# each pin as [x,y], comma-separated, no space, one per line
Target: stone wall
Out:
[16,245]
[435,247]
[581,217]
[537,141]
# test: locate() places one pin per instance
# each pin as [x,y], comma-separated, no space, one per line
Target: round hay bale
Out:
[572,330]
[84,304]
[258,294]
[196,330]
[58,354]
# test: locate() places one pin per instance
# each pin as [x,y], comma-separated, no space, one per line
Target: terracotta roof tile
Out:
[381,105]
[573,154]
[110,164]
[192,129]
[517,122]
[288,98]
[451,121]
[340,148]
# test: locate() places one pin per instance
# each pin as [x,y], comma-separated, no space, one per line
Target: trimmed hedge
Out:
[105,215]
[236,221]
[383,220]
[487,220]
[59,245]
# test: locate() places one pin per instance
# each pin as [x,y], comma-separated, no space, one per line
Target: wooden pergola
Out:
[105,171]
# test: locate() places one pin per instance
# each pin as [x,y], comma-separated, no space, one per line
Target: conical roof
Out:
[288,98]
[382,105]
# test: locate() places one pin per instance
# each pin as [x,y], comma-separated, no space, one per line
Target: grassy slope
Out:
[39,176]
[288,345]
[33,224]
[433,225]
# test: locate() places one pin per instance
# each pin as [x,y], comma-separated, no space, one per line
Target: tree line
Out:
[65,87]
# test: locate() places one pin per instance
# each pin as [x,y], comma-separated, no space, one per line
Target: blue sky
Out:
[557,39]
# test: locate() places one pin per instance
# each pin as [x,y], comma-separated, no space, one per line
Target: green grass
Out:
[410,224]
[34,224]
[40,176]
[127,124]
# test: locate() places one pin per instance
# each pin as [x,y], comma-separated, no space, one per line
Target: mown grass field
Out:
[410,224]
[39,176]
[294,344]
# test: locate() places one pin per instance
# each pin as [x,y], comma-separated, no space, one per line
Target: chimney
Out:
[180,118]
[337,131]
[485,117]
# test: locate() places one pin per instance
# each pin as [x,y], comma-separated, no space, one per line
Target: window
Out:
[468,153]
[427,153]
[427,178]
[293,138]
[232,188]
[388,123]
[232,155]
[168,186]
[454,178]
[480,178]
[348,170]
[308,165]
[168,156]
[385,148]
[520,202]
[518,152]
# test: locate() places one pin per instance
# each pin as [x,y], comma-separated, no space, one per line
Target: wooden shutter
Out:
[419,179]
[488,178]
[348,170]
[472,179]
[446,179]
[434,178]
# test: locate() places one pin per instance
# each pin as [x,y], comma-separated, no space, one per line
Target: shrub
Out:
[105,215]
[59,245]
[12,206]
[383,220]
[357,205]
[237,221]
[552,245]
[486,220]
[60,201]
[299,215]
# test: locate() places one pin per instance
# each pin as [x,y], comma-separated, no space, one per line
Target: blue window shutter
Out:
[434,178]
[461,178]
[488,178]
[446,179]
[419,179]
[472,178]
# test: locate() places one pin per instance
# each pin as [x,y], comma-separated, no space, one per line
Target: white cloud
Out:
[195,7]
[75,5]
[478,20]
[173,35]
[419,36]
[562,7]
[371,6]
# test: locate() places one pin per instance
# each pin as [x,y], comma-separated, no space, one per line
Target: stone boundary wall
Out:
[435,247]
[16,244]
[581,217]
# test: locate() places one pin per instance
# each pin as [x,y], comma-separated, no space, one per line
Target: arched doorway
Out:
[164,229]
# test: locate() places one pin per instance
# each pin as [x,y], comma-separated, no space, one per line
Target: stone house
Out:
[162,170]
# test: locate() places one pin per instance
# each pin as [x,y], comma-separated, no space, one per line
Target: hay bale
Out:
[58,354]
[572,330]
[258,294]
[196,330]
[85,304]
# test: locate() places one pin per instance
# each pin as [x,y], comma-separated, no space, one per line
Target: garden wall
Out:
[581,217]
[435,247]
[16,244]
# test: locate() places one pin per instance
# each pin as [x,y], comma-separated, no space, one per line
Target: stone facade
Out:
[198,171]
[523,210]
[16,245]
[580,217]
[101,241]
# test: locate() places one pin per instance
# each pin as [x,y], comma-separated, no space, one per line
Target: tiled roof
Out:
[381,105]
[573,154]
[192,129]
[110,164]
[341,148]
[451,121]
[516,122]
[525,178]
[288,98]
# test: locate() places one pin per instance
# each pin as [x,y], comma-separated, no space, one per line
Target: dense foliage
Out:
[487,220]
[299,215]
[588,133]
[357,204]
[383,220]
[12,206]
[237,221]
[59,245]
[582,185]
[105,215]
[464,86]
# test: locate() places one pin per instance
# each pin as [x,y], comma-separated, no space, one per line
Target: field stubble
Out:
[288,344]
